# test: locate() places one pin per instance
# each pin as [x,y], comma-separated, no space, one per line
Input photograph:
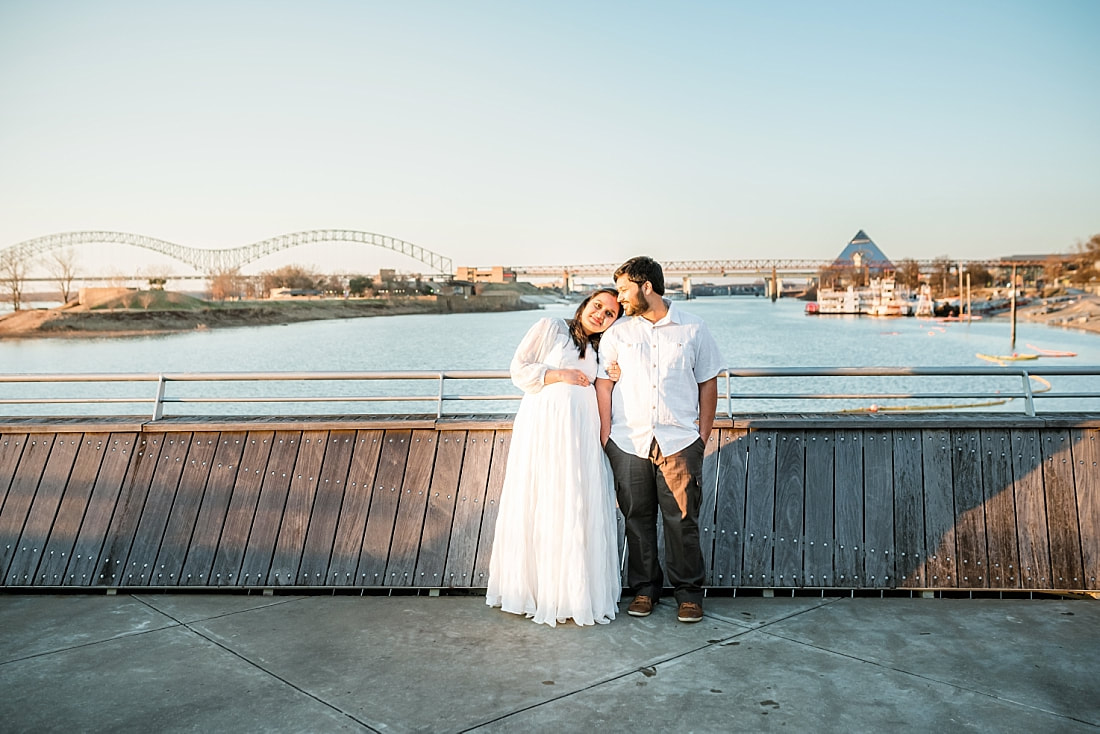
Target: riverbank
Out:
[1079,311]
[189,314]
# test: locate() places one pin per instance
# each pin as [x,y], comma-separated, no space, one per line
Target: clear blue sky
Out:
[499,132]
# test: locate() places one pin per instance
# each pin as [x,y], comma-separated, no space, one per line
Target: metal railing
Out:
[1027,392]
[451,388]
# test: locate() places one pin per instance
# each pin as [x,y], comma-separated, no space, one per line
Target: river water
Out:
[751,332]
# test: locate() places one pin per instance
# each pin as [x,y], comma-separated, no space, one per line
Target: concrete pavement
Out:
[250,663]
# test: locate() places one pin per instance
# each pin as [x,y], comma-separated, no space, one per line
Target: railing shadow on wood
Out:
[980,502]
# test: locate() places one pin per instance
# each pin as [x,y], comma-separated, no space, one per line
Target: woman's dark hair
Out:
[640,269]
[580,339]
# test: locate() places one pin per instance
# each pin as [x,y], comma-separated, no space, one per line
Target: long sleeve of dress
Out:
[528,367]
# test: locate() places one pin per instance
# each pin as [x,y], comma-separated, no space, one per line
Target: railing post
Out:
[439,400]
[729,400]
[1029,399]
[158,402]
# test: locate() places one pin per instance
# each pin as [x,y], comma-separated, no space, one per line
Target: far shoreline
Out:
[1080,312]
[74,322]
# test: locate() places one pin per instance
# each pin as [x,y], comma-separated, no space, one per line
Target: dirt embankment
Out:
[1079,311]
[124,319]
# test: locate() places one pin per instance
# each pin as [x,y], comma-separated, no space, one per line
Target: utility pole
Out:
[960,267]
[1013,307]
[969,306]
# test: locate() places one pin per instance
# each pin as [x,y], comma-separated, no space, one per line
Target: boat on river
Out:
[1051,352]
[1002,358]
[883,297]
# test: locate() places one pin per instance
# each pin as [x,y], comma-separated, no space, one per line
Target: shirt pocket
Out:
[677,356]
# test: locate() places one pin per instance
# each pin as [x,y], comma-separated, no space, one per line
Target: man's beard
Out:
[637,306]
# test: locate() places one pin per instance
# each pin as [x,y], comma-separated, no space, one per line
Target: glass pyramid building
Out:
[860,252]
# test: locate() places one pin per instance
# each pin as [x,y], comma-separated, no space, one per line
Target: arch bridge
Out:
[207,260]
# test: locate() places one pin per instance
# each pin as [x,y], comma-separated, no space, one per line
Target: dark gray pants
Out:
[672,483]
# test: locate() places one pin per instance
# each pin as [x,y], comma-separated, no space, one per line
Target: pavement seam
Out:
[927,678]
[649,664]
[257,666]
[125,635]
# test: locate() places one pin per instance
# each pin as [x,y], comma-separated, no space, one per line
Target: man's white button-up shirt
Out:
[657,395]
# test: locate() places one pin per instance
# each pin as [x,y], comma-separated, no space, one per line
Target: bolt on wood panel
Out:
[820,489]
[17,503]
[43,509]
[1031,513]
[209,523]
[1086,477]
[332,486]
[440,514]
[729,507]
[709,490]
[119,451]
[790,495]
[467,527]
[70,513]
[299,505]
[277,476]
[11,450]
[225,570]
[940,568]
[878,509]
[352,522]
[848,509]
[999,500]
[411,508]
[383,508]
[1061,502]
[759,532]
[185,510]
[501,441]
[127,512]
[139,569]
[970,522]
[908,476]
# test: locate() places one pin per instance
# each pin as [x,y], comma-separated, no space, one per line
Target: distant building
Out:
[458,288]
[495,274]
[294,293]
[862,252]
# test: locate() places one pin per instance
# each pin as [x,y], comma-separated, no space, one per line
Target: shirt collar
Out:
[672,316]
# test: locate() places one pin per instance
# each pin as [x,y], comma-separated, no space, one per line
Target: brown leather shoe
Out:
[641,606]
[690,612]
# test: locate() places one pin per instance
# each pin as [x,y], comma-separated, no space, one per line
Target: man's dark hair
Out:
[640,269]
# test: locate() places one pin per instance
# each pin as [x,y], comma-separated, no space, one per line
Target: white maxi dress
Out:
[555,551]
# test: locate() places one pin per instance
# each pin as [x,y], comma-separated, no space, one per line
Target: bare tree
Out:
[1085,265]
[62,265]
[13,274]
[225,284]
[1054,270]
[908,273]
[941,275]
[980,277]
[291,276]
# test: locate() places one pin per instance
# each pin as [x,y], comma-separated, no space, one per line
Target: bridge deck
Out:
[937,501]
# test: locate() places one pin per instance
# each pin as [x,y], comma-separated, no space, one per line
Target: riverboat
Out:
[883,297]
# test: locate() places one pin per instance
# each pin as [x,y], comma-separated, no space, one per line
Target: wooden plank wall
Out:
[787,504]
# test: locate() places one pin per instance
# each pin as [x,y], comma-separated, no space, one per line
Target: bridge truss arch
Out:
[223,260]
